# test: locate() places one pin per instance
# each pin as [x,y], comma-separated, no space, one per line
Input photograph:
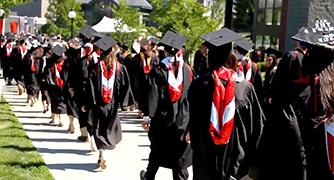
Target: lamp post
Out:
[72,14]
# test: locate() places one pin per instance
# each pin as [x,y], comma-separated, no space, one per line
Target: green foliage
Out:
[184,16]
[243,15]
[131,17]
[6,4]
[218,11]
[19,158]
[58,21]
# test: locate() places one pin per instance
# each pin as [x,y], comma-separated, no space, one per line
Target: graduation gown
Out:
[57,98]
[201,65]
[20,62]
[237,157]
[8,63]
[169,121]
[140,83]
[31,73]
[103,117]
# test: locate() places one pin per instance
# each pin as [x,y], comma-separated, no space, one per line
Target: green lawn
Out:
[18,157]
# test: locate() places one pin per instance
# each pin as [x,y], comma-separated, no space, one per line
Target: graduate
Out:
[20,60]
[142,65]
[201,61]
[83,63]
[8,63]
[41,77]
[108,86]
[31,73]
[299,113]
[56,76]
[169,111]
[270,69]
[247,69]
[226,119]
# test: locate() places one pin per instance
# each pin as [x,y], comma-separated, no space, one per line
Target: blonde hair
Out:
[112,56]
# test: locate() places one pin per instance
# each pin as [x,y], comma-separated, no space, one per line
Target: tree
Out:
[218,11]
[58,21]
[243,15]
[130,17]
[184,16]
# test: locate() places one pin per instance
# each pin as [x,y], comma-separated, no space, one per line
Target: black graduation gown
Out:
[237,157]
[41,78]
[8,65]
[201,65]
[140,83]
[30,77]
[169,121]
[56,93]
[103,117]
[20,64]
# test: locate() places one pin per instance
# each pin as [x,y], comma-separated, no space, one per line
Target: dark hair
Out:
[217,56]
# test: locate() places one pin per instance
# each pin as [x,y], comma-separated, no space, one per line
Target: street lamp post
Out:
[72,14]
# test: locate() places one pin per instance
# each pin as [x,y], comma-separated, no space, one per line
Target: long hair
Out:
[327,93]
[112,56]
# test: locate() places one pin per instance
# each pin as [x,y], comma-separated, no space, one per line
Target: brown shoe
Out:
[60,125]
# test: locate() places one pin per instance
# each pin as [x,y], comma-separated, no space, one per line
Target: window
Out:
[266,42]
[277,12]
[261,11]
[259,41]
[274,42]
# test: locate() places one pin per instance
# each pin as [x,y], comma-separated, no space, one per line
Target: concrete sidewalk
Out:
[68,159]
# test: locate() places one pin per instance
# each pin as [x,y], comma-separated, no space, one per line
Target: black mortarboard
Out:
[97,36]
[321,33]
[221,37]
[244,44]
[105,43]
[58,50]
[87,31]
[277,53]
[173,39]
[21,40]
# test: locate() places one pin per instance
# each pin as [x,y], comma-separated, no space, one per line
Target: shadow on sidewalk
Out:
[63,151]
[53,140]
[60,131]
[24,165]
[87,166]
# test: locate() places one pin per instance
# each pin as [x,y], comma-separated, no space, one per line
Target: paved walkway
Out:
[68,159]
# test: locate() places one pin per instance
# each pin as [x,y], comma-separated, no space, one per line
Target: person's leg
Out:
[152,168]
[83,125]
[71,124]
[180,174]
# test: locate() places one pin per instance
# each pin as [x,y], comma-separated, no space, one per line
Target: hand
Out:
[71,90]
[188,138]
[83,109]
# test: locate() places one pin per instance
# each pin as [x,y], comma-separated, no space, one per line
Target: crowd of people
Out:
[220,116]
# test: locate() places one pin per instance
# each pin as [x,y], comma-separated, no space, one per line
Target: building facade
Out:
[275,21]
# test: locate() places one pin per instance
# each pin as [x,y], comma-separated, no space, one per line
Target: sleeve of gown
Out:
[153,95]
[90,89]
[125,90]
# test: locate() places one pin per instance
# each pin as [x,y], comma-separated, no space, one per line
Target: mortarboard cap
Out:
[221,37]
[244,44]
[87,31]
[58,50]
[124,46]
[173,39]
[105,43]
[273,51]
[321,33]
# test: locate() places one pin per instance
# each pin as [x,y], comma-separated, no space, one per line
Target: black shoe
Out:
[142,175]
[83,138]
